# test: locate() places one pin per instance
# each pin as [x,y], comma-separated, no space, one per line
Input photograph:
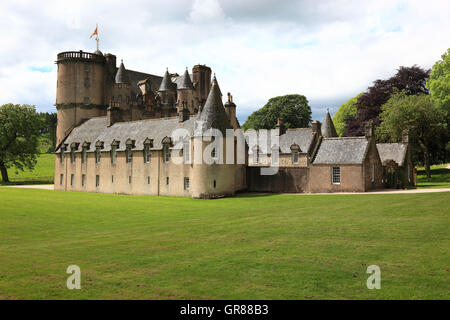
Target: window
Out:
[214,184]
[214,154]
[86,82]
[148,180]
[373,172]
[146,153]
[166,154]
[119,98]
[86,67]
[72,179]
[61,178]
[167,180]
[114,147]
[186,183]
[84,155]
[129,179]
[97,180]
[112,179]
[186,152]
[129,154]
[86,101]
[97,155]
[83,180]
[295,157]
[275,155]
[72,156]
[62,155]
[336,175]
[255,156]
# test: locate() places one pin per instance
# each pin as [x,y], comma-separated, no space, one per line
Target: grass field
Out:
[41,174]
[248,247]
[440,177]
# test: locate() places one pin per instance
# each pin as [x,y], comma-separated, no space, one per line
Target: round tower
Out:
[79,89]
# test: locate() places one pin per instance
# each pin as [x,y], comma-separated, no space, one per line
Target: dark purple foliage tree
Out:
[411,79]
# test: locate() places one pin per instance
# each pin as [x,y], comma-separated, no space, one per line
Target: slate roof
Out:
[96,129]
[166,83]
[122,75]
[213,112]
[328,129]
[184,82]
[302,137]
[348,150]
[392,151]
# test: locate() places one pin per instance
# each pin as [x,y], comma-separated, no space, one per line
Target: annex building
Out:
[115,135]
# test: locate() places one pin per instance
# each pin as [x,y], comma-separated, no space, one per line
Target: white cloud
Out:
[326,50]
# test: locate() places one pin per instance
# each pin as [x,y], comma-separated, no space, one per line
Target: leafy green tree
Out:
[19,133]
[424,121]
[293,108]
[439,81]
[345,112]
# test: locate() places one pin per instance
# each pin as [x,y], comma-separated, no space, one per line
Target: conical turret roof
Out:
[213,114]
[121,75]
[186,82]
[328,129]
[166,83]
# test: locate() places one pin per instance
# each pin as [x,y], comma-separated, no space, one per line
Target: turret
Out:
[79,90]
[186,92]
[328,129]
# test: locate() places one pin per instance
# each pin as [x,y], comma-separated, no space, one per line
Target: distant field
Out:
[41,174]
[247,247]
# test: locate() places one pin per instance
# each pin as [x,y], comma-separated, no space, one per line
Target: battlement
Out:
[79,56]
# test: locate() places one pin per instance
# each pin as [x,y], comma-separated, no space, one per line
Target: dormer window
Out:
[128,151]
[186,152]
[167,142]
[73,148]
[148,143]
[98,147]
[295,150]
[62,154]
[114,147]
[84,150]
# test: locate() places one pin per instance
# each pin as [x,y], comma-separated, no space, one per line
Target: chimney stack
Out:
[369,133]
[183,113]
[280,126]
[316,127]
[113,114]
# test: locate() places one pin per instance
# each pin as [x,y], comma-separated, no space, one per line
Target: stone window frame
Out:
[129,146]
[61,179]
[72,180]
[295,151]
[86,101]
[336,175]
[84,148]
[87,82]
[83,180]
[148,144]
[86,67]
[73,149]
[98,147]
[114,146]
[214,154]
[167,143]
[186,183]
[97,181]
[187,151]
[62,154]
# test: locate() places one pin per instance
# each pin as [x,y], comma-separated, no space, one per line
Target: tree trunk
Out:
[4,172]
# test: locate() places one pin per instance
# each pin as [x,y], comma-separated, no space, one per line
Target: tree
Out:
[345,112]
[424,121]
[439,81]
[439,86]
[293,108]
[48,126]
[19,132]
[410,79]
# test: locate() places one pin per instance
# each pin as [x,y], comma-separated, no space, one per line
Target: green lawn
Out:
[248,247]
[440,177]
[41,174]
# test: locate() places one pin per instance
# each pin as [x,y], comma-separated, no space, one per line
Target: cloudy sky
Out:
[328,51]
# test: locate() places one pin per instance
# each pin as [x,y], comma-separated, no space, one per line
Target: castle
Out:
[115,134]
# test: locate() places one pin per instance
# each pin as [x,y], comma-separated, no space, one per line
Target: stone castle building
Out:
[115,127]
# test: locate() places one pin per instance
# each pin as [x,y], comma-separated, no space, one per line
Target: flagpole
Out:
[96,38]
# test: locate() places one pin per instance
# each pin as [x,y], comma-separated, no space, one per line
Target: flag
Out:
[94,33]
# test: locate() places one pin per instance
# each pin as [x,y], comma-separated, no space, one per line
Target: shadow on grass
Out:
[26,182]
